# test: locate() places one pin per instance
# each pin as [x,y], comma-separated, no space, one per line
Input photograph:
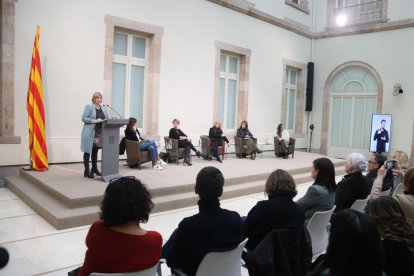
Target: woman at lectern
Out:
[91,137]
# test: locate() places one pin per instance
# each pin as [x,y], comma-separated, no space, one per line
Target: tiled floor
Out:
[36,248]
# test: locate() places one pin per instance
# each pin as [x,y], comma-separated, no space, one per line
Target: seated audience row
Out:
[355,246]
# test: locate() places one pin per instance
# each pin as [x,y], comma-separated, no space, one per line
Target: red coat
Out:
[110,251]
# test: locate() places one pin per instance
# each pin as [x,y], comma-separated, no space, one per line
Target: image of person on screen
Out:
[382,137]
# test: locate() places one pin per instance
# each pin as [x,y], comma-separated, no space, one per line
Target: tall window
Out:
[353,100]
[348,12]
[128,75]
[291,87]
[228,87]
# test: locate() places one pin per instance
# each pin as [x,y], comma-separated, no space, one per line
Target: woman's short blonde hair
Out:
[402,159]
[96,95]
[217,122]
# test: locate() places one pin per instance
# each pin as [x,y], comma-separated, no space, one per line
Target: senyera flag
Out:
[36,113]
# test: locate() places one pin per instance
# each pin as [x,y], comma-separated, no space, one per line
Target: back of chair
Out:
[152,271]
[226,263]
[399,189]
[359,204]
[205,145]
[318,232]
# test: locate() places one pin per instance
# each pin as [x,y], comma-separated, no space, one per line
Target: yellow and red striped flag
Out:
[36,113]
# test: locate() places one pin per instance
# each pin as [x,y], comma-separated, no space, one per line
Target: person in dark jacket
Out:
[213,229]
[216,137]
[374,164]
[354,185]
[247,140]
[278,212]
[183,142]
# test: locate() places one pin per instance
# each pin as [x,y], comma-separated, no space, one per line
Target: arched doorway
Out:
[352,93]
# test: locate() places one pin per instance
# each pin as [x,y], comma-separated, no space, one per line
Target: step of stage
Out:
[64,198]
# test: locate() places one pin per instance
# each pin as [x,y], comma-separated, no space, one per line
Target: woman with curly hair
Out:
[117,242]
[397,235]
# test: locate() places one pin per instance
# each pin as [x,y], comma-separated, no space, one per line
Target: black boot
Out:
[199,154]
[187,161]
[96,171]
[86,172]
[219,159]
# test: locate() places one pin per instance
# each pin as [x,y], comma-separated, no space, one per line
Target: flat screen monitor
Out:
[380,133]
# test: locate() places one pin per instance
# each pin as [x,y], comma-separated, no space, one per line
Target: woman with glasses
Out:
[117,243]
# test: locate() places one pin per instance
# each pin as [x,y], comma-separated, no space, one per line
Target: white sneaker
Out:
[162,163]
[158,167]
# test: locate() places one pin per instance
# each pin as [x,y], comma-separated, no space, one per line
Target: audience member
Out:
[354,247]
[283,135]
[213,229]
[247,140]
[321,195]
[132,133]
[183,142]
[406,200]
[390,178]
[376,161]
[278,212]
[117,242]
[216,138]
[354,185]
[397,235]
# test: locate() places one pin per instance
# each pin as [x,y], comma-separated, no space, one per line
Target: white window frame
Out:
[229,76]
[130,61]
[287,88]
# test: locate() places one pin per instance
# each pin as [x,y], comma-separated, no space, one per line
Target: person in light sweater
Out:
[283,136]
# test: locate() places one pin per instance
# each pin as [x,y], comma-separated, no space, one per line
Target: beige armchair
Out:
[174,153]
[206,146]
[238,146]
[279,148]
[135,157]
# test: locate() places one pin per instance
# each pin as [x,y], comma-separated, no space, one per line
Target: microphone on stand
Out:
[107,105]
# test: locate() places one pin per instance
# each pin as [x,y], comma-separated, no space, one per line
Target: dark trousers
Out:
[94,157]
[188,147]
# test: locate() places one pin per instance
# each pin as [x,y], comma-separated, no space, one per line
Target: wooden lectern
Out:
[110,148]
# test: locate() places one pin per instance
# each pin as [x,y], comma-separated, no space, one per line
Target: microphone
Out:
[4,257]
[107,105]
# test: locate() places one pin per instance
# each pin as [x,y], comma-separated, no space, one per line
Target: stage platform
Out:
[66,199]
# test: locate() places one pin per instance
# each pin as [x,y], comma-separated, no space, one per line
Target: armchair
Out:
[238,145]
[135,157]
[174,152]
[279,148]
[206,146]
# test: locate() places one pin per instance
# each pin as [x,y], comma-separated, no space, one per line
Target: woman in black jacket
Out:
[216,136]
[247,140]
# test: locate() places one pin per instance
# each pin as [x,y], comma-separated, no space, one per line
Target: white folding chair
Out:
[152,271]
[399,190]
[226,263]
[359,204]
[318,232]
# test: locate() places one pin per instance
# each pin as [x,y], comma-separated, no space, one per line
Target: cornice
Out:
[249,10]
